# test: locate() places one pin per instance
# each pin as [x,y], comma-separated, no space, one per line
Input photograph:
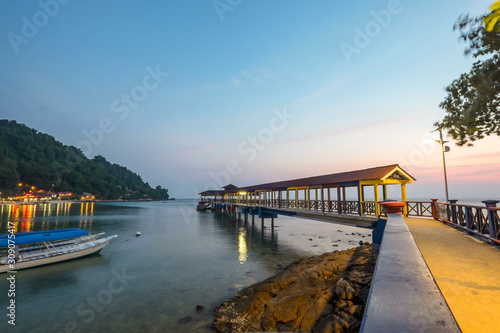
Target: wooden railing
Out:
[369,207]
[419,208]
[480,220]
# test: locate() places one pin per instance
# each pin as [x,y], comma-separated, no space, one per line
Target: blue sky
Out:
[230,74]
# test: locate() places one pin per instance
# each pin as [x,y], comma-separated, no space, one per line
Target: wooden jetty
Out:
[429,278]
[322,197]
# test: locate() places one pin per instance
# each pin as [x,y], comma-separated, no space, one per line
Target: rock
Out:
[344,290]
[137,233]
[367,243]
[199,308]
[361,243]
[335,244]
[316,294]
[353,309]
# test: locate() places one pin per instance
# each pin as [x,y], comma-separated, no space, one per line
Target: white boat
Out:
[33,249]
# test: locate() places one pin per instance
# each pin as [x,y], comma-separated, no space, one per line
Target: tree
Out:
[472,103]
[28,156]
[9,177]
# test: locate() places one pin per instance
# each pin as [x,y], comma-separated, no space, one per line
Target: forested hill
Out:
[34,158]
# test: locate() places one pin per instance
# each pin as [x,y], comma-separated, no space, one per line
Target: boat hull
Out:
[57,258]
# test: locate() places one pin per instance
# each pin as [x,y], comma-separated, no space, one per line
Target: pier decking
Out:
[466,271]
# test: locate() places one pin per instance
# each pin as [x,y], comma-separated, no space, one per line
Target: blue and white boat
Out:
[30,249]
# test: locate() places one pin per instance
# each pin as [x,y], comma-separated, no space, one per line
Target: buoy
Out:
[137,233]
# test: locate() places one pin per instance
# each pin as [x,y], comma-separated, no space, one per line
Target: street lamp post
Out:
[444,149]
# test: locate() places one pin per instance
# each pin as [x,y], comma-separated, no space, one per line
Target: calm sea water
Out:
[154,282]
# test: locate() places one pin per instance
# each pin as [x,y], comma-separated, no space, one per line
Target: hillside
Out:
[28,156]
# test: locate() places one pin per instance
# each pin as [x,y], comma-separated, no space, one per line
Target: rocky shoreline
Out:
[325,293]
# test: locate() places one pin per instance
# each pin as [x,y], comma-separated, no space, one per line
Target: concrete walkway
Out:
[466,270]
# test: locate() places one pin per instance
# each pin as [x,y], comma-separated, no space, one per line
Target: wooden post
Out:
[308,198]
[316,195]
[339,201]
[434,208]
[322,200]
[296,198]
[360,199]
[377,206]
[491,206]
[453,211]
[403,198]
[385,191]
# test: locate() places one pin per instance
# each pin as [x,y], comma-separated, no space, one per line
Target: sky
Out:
[197,94]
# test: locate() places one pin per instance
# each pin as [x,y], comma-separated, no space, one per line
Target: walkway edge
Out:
[404,296]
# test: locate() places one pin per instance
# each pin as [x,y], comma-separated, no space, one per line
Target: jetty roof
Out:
[393,171]
[209,193]
[388,174]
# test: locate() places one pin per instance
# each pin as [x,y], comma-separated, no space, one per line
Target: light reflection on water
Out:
[176,264]
[242,244]
[24,216]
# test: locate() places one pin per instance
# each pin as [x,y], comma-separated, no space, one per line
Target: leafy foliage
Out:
[35,158]
[472,104]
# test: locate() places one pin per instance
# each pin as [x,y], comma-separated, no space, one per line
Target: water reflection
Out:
[184,264]
[23,216]
[242,245]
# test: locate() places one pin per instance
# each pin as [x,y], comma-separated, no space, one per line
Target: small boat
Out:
[31,249]
[204,205]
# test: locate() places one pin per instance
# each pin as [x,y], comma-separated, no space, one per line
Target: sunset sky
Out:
[189,93]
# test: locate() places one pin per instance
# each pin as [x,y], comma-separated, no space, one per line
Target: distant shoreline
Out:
[77,201]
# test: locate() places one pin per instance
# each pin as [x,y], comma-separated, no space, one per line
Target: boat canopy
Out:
[42,236]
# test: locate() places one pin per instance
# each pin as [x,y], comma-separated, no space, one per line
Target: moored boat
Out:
[204,205]
[31,249]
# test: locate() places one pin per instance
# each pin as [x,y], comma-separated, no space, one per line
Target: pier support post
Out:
[360,199]
[468,219]
[339,201]
[262,223]
[377,199]
[272,222]
[491,218]
[453,208]
[434,208]
[404,199]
